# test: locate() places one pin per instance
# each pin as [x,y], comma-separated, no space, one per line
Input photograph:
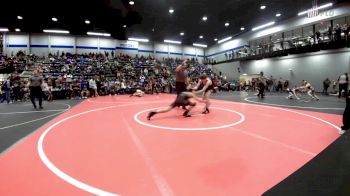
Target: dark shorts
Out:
[180,103]
[181,100]
[201,86]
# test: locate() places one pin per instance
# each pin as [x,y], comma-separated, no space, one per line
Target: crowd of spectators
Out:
[271,85]
[81,76]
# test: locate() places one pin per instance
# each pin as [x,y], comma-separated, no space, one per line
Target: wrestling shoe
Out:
[186,114]
[150,115]
[206,111]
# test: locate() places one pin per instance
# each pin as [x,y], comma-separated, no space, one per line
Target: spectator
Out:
[279,85]
[343,82]
[334,87]
[318,36]
[285,85]
[270,83]
[6,88]
[330,34]
[16,88]
[93,87]
[326,84]
[338,33]
[84,88]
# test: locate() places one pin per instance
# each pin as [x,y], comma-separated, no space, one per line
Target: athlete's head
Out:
[203,77]
[185,63]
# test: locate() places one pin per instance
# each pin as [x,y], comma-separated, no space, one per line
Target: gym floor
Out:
[105,146]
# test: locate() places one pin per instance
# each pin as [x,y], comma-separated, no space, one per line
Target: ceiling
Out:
[151,18]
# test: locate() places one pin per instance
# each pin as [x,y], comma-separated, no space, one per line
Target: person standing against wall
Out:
[343,82]
[35,83]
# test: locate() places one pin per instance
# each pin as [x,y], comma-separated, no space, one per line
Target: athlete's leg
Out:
[206,99]
[161,110]
[191,104]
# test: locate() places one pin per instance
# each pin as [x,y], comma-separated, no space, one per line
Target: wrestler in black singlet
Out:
[181,100]
[210,87]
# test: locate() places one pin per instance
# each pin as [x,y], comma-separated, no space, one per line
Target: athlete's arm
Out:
[197,86]
[181,67]
[195,97]
[205,87]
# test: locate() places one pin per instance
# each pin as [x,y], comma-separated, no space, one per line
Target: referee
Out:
[35,83]
[181,77]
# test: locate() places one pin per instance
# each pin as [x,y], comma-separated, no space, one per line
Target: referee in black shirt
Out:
[35,83]
[181,77]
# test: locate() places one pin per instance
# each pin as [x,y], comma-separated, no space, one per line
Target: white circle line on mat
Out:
[97,191]
[62,175]
[136,118]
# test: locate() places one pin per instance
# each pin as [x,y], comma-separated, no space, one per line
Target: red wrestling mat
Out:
[106,146]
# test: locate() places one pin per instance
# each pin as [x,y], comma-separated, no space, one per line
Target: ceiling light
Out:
[262,7]
[318,8]
[278,15]
[4,29]
[131,2]
[216,39]
[99,34]
[19,17]
[242,28]
[182,33]
[200,45]
[201,37]
[263,26]
[227,24]
[205,18]
[54,19]
[17,30]
[171,11]
[223,40]
[87,21]
[172,41]
[124,26]
[56,31]
[138,39]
